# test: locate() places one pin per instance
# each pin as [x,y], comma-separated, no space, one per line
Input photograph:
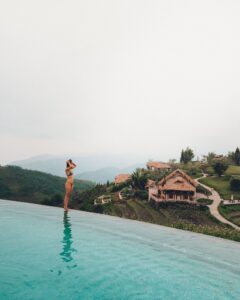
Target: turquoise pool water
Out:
[46,254]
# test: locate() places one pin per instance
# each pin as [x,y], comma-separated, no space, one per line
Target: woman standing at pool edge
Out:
[69,183]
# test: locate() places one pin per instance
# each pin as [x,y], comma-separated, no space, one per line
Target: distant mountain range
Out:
[106,174]
[97,168]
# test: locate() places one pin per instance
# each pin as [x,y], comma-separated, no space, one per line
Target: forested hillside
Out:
[34,186]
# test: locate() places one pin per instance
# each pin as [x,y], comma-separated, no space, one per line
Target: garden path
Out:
[216,202]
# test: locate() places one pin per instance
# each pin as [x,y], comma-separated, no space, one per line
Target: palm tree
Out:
[139,179]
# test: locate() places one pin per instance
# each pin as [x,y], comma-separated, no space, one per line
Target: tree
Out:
[182,157]
[186,155]
[230,156]
[139,180]
[235,184]
[220,167]
[237,157]
[210,157]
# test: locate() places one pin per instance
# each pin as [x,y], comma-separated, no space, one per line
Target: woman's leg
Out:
[68,188]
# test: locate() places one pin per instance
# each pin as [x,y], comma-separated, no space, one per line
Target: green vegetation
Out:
[33,186]
[235,156]
[187,155]
[233,170]
[221,185]
[85,200]
[231,213]
[193,169]
[202,190]
[220,167]
[139,179]
[235,183]
[210,156]
[140,194]
[209,170]
[226,185]
[225,233]
[205,201]
[55,200]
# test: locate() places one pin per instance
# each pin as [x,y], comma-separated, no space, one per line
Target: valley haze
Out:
[98,168]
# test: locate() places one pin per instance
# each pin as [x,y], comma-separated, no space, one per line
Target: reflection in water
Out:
[67,240]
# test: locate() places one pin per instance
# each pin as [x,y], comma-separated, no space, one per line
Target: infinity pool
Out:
[46,254]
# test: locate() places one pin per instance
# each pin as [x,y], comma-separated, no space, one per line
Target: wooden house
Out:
[177,186]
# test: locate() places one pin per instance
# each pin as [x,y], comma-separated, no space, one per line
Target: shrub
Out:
[118,187]
[127,192]
[205,201]
[235,184]
[141,194]
[220,167]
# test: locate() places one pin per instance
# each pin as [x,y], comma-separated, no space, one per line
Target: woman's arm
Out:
[73,165]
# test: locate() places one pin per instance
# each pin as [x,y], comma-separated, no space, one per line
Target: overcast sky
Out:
[128,77]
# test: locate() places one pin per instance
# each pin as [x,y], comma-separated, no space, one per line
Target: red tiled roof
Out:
[158,165]
[122,178]
[176,173]
[178,180]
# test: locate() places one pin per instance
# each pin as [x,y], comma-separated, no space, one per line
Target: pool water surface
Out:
[46,254]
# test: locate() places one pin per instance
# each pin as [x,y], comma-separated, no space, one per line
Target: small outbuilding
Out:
[104,199]
[121,178]
[158,166]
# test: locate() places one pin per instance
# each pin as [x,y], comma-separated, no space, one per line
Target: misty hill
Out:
[43,163]
[106,174]
[94,163]
[33,186]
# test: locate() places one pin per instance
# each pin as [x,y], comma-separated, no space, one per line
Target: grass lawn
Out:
[233,170]
[231,212]
[221,185]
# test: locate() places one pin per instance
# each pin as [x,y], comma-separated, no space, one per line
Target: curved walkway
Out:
[216,198]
